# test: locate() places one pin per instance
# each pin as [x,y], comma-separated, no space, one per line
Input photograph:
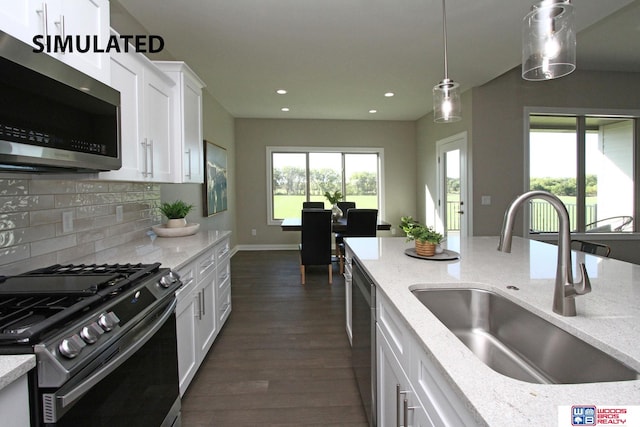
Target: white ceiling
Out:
[337,58]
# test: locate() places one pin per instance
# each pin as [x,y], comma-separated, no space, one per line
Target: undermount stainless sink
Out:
[515,342]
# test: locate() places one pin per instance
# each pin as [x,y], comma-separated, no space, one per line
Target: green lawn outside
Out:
[290,206]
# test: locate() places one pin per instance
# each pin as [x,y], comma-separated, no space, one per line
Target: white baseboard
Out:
[288,247]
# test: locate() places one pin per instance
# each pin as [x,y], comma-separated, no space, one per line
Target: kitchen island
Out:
[607,318]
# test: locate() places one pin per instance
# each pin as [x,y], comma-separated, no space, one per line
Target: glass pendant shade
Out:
[548,41]
[447,107]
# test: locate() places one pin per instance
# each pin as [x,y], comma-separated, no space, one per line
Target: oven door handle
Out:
[65,399]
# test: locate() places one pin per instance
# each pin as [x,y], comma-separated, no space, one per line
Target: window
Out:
[298,174]
[587,161]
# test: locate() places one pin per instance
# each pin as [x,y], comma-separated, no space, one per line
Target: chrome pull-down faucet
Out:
[565,290]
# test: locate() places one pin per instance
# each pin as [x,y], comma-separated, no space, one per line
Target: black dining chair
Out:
[594,248]
[312,205]
[360,223]
[315,248]
[345,206]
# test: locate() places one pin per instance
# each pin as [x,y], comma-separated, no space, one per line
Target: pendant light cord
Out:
[444,38]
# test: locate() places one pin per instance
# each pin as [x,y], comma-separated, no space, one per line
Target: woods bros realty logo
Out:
[590,415]
[90,43]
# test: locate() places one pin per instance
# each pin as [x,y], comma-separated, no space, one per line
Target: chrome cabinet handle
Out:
[188,153]
[151,151]
[199,315]
[60,23]
[45,18]
[399,393]
[203,304]
[146,158]
[406,409]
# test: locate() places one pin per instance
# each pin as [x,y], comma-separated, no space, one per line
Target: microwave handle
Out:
[66,399]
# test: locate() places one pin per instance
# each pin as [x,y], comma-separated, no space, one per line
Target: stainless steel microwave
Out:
[52,116]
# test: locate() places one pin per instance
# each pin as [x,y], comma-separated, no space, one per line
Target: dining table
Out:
[295,224]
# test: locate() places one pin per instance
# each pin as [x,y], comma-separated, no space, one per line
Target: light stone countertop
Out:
[14,366]
[172,252]
[608,318]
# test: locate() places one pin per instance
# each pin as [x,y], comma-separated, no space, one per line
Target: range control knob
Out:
[72,346]
[91,332]
[169,279]
[108,321]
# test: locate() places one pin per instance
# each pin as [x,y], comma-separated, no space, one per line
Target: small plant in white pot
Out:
[176,213]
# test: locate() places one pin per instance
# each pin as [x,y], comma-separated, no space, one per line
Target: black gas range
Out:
[90,327]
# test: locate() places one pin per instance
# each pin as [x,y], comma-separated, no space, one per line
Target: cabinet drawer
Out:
[393,328]
[188,279]
[206,263]
[224,304]
[224,274]
[440,401]
[222,250]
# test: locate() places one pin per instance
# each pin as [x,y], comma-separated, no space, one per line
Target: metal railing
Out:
[543,216]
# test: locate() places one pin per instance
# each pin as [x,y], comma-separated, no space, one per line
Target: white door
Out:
[453,207]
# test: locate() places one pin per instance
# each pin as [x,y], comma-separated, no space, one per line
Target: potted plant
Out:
[334,198]
[176,213]
[425,237]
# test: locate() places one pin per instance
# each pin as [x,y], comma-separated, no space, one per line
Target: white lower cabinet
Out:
[186,313]
[403,362]
[397,400]
[204,304]
[14,403]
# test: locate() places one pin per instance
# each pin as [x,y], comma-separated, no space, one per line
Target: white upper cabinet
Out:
[80,19]
[187,120]
[146,120]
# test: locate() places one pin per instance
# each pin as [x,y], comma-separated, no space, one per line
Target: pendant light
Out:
[548,41]
[446,96]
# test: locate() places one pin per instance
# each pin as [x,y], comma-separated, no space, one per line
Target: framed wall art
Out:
[215,178]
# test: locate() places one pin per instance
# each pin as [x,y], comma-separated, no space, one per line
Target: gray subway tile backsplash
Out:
[31,210]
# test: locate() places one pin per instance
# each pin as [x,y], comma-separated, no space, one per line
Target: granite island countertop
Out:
[608,318]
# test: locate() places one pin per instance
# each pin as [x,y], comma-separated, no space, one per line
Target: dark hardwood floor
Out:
[283,357]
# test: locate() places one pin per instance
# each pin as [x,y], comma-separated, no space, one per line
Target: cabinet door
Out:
[398,404]
[207,320]
[86,18]
[186,313]
[193,162]
[188,362]
[157,127]
[126,77]
[20,19]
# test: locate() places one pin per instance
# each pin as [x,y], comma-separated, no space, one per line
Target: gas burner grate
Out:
[37,301]
[125,269]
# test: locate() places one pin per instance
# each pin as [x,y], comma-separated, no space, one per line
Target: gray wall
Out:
[219,129]
[252,136]
[498,128]
[428,134]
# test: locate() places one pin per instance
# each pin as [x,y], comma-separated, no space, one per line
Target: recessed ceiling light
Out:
[389,94]
[373,111]
[281,91]
[285,109]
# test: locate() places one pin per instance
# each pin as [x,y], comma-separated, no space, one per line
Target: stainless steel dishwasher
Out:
[363,349]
